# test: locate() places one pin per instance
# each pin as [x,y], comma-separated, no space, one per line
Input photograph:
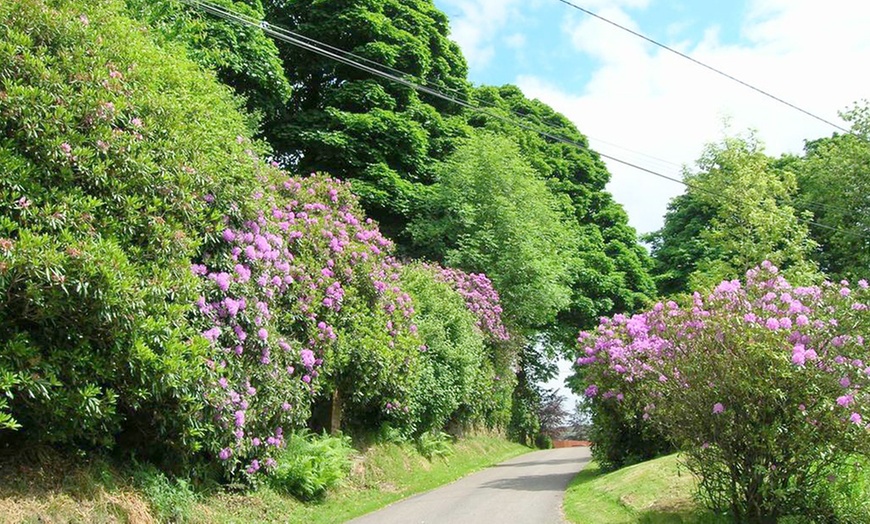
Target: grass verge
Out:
[653,492]
[77,491]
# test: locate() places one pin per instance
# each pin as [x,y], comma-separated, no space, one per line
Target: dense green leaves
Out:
[119,160]
[243,58]
[490,213]
[343,121]
[610,268]
[736,211]
[833,178]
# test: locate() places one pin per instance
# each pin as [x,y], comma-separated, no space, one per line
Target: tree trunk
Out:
[335,413]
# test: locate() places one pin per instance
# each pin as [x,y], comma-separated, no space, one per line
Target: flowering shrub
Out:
[118,160]
[481,299]
[762,385]
[458,383]
[307,288]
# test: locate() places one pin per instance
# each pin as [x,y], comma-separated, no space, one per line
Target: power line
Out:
[704,65]
[339,55]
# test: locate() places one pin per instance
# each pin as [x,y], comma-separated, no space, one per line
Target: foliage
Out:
[119,160]
[434,444]
[611,272]
[456,373]
[543,441]
[551,412]
[171,500]
[621,437]
[242,57]
[736,211]
[340,120]
[762,386]
[833,186]
[481,299]
[306,288]
[309,465]
[490,213]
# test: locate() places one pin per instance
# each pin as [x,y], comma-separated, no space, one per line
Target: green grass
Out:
[653,492]
[55,488]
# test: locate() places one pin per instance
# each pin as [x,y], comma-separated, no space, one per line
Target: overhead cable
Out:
[704,65]
[344,57]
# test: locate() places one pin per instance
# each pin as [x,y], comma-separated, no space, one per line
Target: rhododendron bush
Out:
[762,385]
[306,291]
[117,161]
[165,288]
[463,378]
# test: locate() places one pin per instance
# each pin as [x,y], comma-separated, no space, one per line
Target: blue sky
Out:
[642,104]
[645,105]
[528,43]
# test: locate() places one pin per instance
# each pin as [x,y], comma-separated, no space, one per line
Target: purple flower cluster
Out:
[275,305]
[818,330]
[481,299]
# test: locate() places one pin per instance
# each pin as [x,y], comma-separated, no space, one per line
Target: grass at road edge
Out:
[73,490]
[653,492]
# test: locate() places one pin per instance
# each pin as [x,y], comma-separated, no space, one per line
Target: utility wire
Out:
[704,65]
[342,56]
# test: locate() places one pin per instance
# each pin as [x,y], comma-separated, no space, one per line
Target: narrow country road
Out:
[527,489]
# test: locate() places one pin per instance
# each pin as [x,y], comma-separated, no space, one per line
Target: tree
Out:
[611,269]
[354,126]
[242,57]
[736,211]
[834,185]
[490,213]
[551,412]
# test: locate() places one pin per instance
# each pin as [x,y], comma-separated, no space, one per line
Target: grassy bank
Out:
[654,492]
[66,490]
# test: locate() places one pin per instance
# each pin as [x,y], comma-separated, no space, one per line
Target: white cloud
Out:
[652,101]
[475,26]
[515,41]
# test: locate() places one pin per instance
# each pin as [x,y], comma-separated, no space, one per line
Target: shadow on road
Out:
[541,463]
[556,482]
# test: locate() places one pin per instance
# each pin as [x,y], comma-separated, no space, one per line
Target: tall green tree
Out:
[737,211]
[611,269]
[345,122]
[489,212]
[834,185]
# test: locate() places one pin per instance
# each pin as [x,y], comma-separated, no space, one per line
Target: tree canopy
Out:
[343,121]
[834,185]
[736,210]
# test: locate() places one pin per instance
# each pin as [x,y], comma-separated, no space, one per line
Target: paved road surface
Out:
[527,489]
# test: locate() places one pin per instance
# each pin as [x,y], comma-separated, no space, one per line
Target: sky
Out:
[645,105]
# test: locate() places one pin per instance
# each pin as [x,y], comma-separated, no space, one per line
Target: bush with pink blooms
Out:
[303,300]
[762,385]
[465,379]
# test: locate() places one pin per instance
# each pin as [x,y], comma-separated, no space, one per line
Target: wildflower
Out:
[718,408]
